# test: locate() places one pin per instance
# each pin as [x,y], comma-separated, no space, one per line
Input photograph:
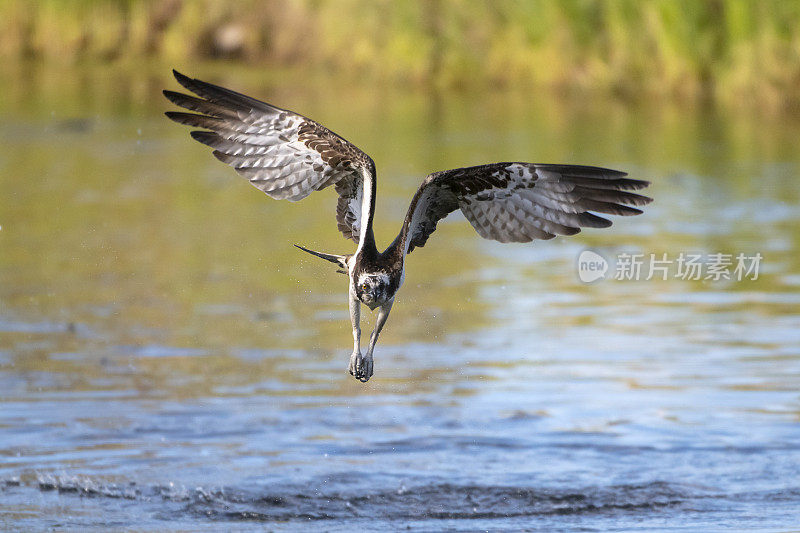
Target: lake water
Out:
[168,361]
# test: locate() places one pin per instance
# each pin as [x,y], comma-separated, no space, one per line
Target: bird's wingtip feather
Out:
[205,137]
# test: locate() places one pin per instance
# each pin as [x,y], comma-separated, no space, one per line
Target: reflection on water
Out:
[167,359]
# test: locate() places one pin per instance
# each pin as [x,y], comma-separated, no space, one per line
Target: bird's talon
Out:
[360,367]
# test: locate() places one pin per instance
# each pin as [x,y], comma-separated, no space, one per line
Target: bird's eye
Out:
[364,286]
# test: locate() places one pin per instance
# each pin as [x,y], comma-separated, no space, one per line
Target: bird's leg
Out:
[383,314]
[355,320]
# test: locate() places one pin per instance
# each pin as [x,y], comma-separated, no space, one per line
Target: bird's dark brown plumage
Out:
[282,153]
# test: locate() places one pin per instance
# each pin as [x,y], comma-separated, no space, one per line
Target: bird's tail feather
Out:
[340,260]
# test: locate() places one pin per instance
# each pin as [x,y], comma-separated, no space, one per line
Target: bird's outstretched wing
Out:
[286,155]
[520,202]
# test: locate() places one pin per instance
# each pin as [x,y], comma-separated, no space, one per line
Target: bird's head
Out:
[373,289]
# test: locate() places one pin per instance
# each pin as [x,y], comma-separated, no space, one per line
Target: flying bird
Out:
[289,156]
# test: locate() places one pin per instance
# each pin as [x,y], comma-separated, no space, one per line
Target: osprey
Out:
[289,156]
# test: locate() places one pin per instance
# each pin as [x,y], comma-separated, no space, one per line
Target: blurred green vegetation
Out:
[729,51]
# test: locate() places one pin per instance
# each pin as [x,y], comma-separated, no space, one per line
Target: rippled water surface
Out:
[168,361]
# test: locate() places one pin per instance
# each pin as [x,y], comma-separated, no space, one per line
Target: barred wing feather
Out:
[282,153]
[520,202]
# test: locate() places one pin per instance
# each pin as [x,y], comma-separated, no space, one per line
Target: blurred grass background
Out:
[731,52]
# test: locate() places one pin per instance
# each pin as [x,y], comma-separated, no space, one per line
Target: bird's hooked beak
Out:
[340,260]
